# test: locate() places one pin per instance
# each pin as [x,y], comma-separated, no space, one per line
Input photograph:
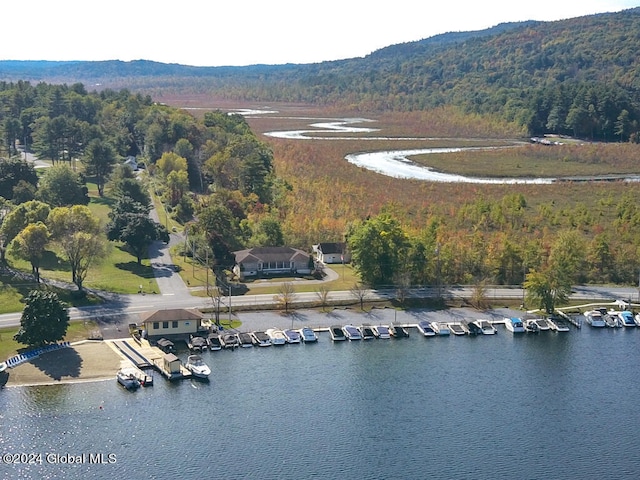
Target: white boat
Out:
[351,332]
[485,327]
[626,318]
[127,379]
[260,339]
[308,335]
[276,336]
[514,325]
[531,326]
[3,366]
[543,324]
[457,329]
[381,331]
[245,339]
[425,328]
[441,328]
[594,318]
[366,331]
[336,333]
[292,336]
[558,325]
[197,367]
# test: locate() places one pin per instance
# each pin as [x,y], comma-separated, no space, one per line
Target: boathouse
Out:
[171,322]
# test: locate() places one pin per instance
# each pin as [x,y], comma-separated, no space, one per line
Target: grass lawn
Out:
[78,330]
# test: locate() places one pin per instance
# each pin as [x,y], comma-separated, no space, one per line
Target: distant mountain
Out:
[577,76]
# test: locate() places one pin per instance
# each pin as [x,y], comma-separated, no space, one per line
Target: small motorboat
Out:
[351,332]
[166,346]
[558,324]
[336,333]
[197,343]
[261,339]
[127,379]
[457,329]
[292,336]
[381,331]
[425,328]
[245,340]
[595,319]
[441,328]
[485,327]
[473,328]
[398,331]
[626,318]
[308,335]
[213,339]
[366,332]
[543,324]
[197,367]
[531,326]
[276,336]
[514,325]
[229,341]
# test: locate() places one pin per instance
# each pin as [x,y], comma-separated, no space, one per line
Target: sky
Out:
[248,32]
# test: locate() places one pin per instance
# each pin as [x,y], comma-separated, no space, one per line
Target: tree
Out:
[14,171]
[78,234]
[44,319]
[99,158]
[60,186]
[378,247]
[323,296]
[137,231]
[17,219]
[285,296]
[29,245]
[171,162]
[546,289]
[360,292]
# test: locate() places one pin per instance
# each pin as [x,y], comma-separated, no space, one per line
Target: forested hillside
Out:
[576,76]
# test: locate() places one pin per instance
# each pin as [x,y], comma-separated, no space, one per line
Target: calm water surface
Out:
[493,407]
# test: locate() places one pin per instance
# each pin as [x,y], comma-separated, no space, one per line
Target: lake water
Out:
[560,406]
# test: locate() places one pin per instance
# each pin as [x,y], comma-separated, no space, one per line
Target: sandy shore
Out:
[86,361]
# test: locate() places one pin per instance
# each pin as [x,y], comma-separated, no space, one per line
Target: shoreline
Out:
[97,360]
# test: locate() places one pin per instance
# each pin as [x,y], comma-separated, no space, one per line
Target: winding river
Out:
[397,163]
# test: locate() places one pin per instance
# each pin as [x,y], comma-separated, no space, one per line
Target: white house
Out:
[332,252]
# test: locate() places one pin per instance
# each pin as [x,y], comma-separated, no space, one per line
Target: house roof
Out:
[169,315]
[328,248]
[270,254]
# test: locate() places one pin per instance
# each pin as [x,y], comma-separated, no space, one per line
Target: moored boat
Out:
[626,318]
[277,336]
[425,328]
[381,331]
[473,328]
[485,327]
[229,341]
[197,367]
[366,331]
[260,339]
[558,324]
[514,325]
[336,333]
[398,331]
[531,326]
[167,346]
[308,335]
[197,343]
[127,379]
[351,332]
[213,339]
[543,324]
[441,328]
[594,318]
[292,336]
[457,328]
[245,340]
